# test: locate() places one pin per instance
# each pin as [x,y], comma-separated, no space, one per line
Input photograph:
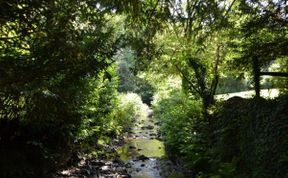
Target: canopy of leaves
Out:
[262,31]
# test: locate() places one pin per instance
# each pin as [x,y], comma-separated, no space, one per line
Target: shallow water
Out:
[141,146]
[143,149]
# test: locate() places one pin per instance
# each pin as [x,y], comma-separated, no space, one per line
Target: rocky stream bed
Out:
[142,155]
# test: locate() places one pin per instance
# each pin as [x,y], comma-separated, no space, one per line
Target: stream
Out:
[144,152]
[143,155]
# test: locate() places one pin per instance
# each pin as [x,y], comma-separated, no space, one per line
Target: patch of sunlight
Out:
[266,93]
[147,147]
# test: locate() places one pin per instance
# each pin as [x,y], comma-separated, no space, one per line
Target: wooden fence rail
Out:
[257,73]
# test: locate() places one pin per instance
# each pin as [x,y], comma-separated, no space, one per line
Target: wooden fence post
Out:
[256,72]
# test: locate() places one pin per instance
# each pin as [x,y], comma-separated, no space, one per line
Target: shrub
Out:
[98,110]
[130,108]
[187,136]
[182,125]
[178,114]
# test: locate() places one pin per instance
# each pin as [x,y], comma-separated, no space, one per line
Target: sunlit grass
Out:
[265,93]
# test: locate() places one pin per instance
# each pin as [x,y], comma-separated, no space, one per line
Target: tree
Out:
[50,52]
[193,44]
[130,81]
[261,36]
[50,45]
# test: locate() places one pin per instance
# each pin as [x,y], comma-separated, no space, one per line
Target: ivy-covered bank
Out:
[242,138]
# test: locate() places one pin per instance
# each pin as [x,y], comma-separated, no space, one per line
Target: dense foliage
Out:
[73,75]
[56,84]
[240,142]
[179,115]
[129,80]
[186,136]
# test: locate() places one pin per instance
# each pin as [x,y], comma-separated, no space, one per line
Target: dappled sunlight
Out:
[143,146]
[143,88]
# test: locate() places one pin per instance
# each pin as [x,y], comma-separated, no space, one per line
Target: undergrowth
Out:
[45,130]
[242,138]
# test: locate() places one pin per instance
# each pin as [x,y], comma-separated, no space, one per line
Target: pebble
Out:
[132,147]
[142,157]
[105,168]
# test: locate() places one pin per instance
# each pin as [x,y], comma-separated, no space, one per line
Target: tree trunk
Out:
[215,73]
